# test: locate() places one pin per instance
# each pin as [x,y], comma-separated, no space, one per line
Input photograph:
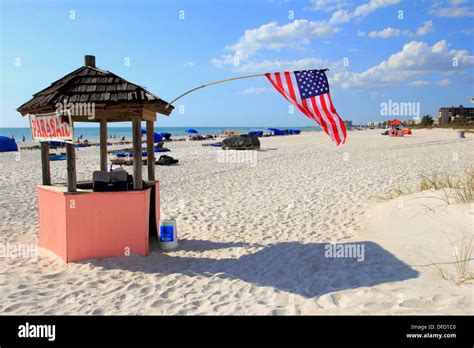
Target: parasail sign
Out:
[52,127]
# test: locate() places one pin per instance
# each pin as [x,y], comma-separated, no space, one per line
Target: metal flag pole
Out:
[210,84]
[215,83]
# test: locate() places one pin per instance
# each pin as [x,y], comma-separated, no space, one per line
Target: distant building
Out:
[416,120]
[348,124]
[447,115]
[377,124]
[384,124]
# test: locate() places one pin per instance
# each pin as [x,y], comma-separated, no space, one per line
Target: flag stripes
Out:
[317,105]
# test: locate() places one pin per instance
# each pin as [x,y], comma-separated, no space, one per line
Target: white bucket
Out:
[168,234]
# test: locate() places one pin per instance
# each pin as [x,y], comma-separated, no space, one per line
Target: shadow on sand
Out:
[294,267]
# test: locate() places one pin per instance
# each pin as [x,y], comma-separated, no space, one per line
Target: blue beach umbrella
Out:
[191,130]
[165,135]
[258,133]
[7,144]
[294,131]
[157,137]
[277,131]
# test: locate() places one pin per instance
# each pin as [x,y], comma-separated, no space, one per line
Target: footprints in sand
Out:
[226,215]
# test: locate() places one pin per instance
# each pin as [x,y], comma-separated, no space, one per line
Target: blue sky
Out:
[377,50]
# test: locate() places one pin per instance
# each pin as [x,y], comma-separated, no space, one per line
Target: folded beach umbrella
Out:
[294,131]
[7,144]
[191,130]
[157,137]
[258,133]
[277,131]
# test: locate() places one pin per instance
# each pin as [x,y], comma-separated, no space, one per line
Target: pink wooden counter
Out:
[87,225]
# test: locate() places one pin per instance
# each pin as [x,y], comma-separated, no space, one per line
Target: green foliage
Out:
[427,120]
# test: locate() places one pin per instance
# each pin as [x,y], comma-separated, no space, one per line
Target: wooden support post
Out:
[71,167]
[137,153]
[45,167]
[150,150]
[103,144]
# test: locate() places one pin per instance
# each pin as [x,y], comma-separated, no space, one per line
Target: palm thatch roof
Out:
[106,90]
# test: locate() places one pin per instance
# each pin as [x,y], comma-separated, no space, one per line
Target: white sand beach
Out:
[253,235]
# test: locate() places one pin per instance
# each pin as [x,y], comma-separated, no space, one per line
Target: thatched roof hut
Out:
[106,90]
[114,99]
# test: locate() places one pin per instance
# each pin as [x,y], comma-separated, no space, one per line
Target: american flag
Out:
[309,91]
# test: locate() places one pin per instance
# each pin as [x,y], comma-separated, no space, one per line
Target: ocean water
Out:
[92,133]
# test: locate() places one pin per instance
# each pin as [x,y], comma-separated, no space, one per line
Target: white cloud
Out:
[271,36]
[444,82]
[414,60]
[327,5]
[343,16]
[423,83]
[426,28]
[255,90]
[284,65]
[385,33]
[188,64]
[296,34]
[419,83]
[453,8]
[468,31]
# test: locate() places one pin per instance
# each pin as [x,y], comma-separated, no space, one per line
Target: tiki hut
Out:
[77,222]
[114,99]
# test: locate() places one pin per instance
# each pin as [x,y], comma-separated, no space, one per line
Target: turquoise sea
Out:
[92,133]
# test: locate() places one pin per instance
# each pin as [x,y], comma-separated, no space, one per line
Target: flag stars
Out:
[311,83]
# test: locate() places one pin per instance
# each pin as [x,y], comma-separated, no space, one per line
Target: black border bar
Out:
[211,330]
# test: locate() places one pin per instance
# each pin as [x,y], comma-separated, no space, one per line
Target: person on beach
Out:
[24,138]
[13,137]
